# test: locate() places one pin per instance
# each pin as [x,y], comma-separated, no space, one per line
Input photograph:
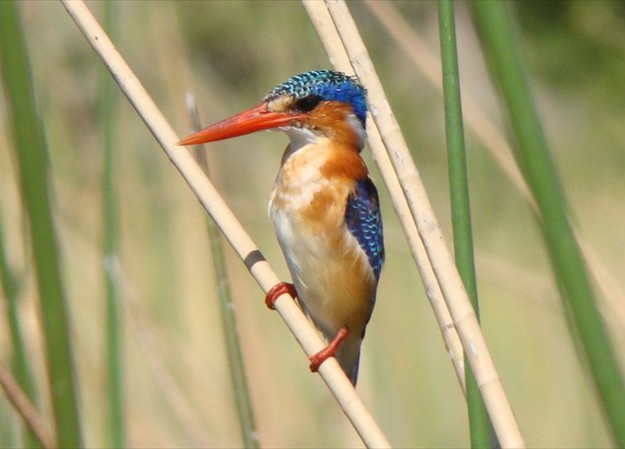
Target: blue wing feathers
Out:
[364,221]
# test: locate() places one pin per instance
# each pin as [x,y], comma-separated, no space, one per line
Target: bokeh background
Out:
[229,54]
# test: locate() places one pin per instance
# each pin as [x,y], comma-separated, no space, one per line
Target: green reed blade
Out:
[532,153]
[479,422]
[32,163]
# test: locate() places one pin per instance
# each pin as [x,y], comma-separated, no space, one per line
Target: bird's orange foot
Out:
[317,359]
[278,290]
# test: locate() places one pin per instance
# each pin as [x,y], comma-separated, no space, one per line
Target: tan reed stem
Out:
[26,409]
[322,21]
[442,262]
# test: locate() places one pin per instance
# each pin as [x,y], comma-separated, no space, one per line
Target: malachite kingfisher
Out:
[324,206]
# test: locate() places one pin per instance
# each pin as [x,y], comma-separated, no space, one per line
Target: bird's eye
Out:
[308,103]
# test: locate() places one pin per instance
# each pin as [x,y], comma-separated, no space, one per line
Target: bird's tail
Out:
[348,356]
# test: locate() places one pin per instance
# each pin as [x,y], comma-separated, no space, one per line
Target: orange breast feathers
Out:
[317,179]
[330,270]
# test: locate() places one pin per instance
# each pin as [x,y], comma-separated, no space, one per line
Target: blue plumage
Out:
[364,221]
[329,86]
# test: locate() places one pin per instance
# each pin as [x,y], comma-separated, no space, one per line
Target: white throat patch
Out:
[299,137]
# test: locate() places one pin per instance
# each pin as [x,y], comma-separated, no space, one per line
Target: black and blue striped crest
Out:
[329,86]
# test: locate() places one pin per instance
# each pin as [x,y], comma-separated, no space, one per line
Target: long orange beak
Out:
[255,119]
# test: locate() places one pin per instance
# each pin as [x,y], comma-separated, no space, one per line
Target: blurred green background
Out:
[229,54]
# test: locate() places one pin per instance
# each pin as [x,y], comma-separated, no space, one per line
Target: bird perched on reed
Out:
[324,206]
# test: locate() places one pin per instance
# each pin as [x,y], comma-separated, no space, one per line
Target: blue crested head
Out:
[325,85]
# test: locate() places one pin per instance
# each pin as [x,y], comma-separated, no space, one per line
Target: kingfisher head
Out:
[320,103]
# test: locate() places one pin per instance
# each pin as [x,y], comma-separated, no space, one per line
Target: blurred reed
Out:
[29,145]
[243,399]
[533,154]
[38,434]
[114,330]
[12,286]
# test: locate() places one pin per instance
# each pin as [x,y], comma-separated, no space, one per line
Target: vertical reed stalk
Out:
[228,316]
[32,162]
[479,423]
[532,152]
[113,325]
